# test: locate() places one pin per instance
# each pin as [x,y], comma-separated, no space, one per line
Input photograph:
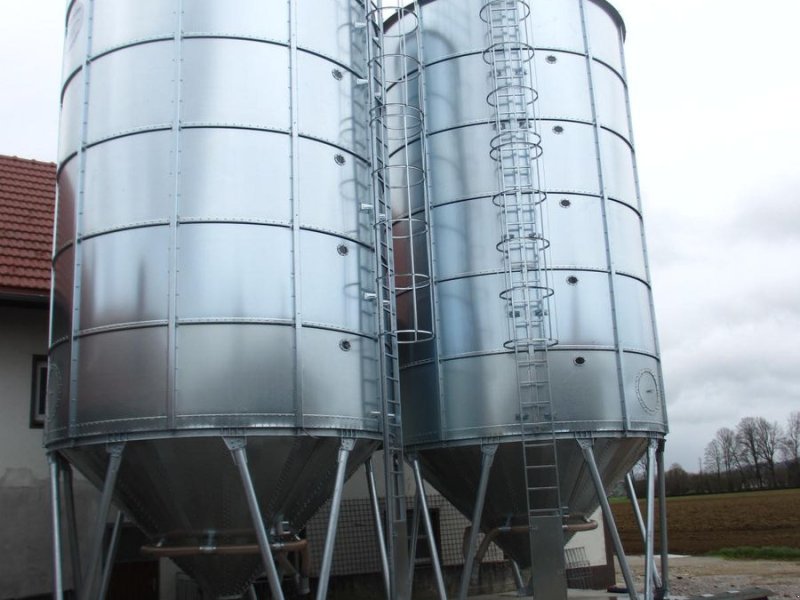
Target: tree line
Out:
[757,454]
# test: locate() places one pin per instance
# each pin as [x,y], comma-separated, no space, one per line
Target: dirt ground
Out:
[702,524]
[697,575]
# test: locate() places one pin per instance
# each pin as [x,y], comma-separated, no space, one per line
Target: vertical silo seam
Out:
[77,271]
[618,350]
[172,314]
[295,190]
[637,185]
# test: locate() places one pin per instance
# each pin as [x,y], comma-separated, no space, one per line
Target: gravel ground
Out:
[694,576]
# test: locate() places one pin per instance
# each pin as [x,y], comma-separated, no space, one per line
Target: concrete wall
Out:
[25,540]
[23,334]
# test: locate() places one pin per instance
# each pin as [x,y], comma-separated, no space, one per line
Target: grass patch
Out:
[762,553]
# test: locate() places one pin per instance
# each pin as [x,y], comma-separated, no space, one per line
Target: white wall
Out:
[23,333]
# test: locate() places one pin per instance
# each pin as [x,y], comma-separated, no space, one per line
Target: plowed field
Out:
[702,524]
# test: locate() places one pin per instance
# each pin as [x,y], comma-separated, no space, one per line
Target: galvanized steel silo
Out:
[213,263]
[461,392]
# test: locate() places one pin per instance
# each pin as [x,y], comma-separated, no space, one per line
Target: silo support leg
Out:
[55,476]
[72,526]
[237,448]
[588,455]
[637,513]
[376,511]
[111,556]
[426,519]
[662,511]
[333,520]
[487,458]
[412,548]
[649,559]
[96,554]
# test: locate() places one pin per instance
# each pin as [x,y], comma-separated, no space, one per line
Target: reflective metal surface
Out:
[212,258]
[605,373]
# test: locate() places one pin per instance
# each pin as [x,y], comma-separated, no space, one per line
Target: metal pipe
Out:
[649,562]
[336,502]
[588,455]
[518,581]
[426,519]
[487,459]
[58,581]
[72,526]
[227,550]
[376,511]
[412,551]
[640,521]
[111,557]
[96,555]
[637,513]
[662,510]
[237,448]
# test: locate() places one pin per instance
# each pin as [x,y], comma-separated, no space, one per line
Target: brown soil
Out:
[702,524]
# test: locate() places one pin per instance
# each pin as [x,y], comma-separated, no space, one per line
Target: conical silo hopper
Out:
[543,312]
[213,268]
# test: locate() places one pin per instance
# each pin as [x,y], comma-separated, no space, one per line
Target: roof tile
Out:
[27,201]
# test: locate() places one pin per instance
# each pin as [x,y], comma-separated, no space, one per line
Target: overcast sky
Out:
[715,92]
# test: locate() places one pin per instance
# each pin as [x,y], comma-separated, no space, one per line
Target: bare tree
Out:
[768,436]
[790,443]
[726,438]
[746,436]
[790,449]
[712,459]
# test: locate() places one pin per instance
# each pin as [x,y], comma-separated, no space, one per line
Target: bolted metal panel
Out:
[213,262]
[605,375]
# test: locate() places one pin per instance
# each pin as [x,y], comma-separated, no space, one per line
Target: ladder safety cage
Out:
[398,184]
[516,149]
[398,123]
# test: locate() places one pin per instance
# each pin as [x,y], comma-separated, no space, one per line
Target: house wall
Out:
[26,563]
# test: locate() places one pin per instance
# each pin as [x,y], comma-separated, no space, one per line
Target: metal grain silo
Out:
[546,361]
[214,272]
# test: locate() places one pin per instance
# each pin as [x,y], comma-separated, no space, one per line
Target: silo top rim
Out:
[606,6]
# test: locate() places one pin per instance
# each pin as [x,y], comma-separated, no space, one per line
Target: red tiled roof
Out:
[27,199]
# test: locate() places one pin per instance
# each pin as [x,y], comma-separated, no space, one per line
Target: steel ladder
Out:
[516,149]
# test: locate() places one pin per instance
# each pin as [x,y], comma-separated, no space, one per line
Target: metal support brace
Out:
[251,593]
[662,510]
[111,556]
[426,519]
[237,447]
[376,511]
[588,455]
[72,525]
[58,581]
[649,562]
[96,554]
[637,514]
[412,551]
[336,502]
[487,458]
[518,581]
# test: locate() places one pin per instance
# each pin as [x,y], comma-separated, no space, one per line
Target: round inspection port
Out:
[580,361]
[342,250]
[558,130]
[565,203]
[572,280]
[339,159]
[345,345]
[337,74]
[551,59]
